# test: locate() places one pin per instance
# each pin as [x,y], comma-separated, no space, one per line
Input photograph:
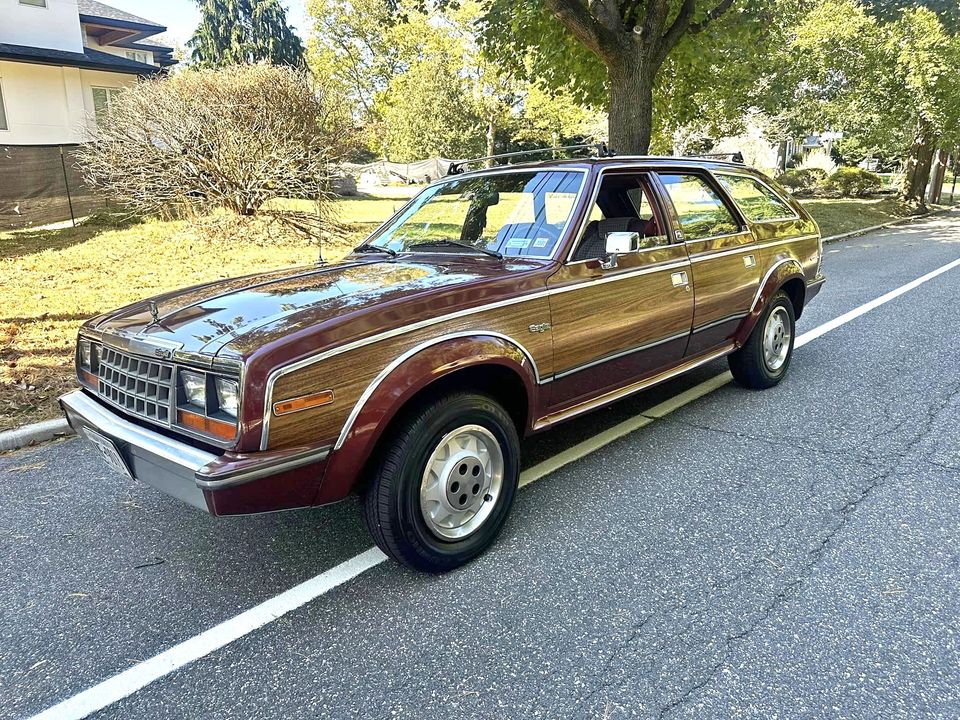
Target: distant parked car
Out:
[495,304]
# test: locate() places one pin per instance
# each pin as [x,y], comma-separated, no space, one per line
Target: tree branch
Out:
[578,19]
[679,26]
[719,10]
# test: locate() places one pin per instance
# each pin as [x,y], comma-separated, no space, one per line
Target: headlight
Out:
[194,388]
[86,354]
[227,391]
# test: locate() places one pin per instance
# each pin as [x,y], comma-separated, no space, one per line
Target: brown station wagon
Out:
[495,304]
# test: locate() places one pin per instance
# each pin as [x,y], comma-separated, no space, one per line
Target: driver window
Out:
[623,205]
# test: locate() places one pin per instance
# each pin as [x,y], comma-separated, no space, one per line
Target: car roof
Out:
[650,161]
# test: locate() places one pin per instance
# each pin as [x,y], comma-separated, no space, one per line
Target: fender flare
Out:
[404,377]
[777,276]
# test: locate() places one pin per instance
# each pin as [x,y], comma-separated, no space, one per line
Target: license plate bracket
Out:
[108,451]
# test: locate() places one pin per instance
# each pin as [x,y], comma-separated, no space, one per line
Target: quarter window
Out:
[34,3]
[103,99]
[700,209]
[757,201]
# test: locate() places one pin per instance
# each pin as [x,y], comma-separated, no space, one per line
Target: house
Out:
[62,63]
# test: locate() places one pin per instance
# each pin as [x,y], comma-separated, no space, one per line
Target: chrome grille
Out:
[139,386]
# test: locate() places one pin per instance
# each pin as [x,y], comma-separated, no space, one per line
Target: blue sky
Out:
[181,16]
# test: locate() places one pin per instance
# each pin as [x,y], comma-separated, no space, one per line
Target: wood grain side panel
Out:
[349,373]
[723,284]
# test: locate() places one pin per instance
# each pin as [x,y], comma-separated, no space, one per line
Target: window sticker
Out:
[518,243]
[541,242]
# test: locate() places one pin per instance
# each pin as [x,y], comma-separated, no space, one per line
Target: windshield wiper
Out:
[457,243]
[371,248]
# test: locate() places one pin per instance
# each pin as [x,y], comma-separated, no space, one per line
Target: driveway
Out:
[788,553]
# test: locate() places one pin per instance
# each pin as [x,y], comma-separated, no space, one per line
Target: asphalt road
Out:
[792,553]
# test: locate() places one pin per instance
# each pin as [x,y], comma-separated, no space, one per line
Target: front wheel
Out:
[763,360]
[445,484]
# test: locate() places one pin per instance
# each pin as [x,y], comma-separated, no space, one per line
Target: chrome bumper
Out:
[166,464]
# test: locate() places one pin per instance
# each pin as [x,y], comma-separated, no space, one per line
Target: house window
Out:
[103,99]
[34,3]
[140,57]
[3,112]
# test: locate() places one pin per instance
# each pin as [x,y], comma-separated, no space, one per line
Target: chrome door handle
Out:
[749,261]
[679,279]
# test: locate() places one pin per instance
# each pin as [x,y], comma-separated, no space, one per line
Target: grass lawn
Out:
[55,279]
[840,215]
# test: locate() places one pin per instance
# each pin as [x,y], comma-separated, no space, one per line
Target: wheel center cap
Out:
[464,482]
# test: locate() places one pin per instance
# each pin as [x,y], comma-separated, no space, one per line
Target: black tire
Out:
[391,504]
[748,364]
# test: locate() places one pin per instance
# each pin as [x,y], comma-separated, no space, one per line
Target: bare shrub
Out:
[246,138]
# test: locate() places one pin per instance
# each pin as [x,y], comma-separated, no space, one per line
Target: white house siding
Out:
[55,26]
[118,51]
[48,105]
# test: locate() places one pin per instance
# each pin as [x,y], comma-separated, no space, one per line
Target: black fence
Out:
[41,184]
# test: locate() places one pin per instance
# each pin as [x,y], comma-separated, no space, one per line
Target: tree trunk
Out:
[631,105]
[937,175]
[491,137]
[918,163]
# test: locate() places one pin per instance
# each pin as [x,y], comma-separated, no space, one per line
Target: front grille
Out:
[139,386]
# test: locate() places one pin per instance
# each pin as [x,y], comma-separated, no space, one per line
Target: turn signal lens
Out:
[209,426]
[304,402]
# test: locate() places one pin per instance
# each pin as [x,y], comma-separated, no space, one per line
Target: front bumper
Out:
[225,484]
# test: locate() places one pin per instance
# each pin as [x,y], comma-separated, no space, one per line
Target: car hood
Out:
[250,311]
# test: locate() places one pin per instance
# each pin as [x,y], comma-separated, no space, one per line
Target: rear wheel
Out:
[763,360]
[445,484]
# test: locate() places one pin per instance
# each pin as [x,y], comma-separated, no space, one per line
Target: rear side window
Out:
[757,201]
[701,211]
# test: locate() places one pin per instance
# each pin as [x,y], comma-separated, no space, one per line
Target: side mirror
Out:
[618,243]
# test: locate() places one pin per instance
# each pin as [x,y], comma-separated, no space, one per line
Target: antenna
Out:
[600,149]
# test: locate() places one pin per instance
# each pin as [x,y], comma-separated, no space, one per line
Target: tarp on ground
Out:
[384,172]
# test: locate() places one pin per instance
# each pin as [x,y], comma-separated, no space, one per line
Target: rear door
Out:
[723,256]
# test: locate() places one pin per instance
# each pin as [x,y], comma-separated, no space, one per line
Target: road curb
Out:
[864,231]
[34,433]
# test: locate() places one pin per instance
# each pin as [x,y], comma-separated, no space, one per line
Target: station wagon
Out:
[497,303]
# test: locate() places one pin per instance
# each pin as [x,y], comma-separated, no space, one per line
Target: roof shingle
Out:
[89,58]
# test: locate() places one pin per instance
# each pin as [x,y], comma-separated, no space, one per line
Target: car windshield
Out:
[513,213]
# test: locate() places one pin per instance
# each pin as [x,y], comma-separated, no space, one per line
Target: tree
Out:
[629,39]
[360,46]
[235,32]
[427,111]
[886,77]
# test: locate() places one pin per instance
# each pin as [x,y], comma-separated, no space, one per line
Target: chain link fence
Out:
[41,184]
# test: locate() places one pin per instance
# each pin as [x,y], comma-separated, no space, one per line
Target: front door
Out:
[724,261]
[615,325]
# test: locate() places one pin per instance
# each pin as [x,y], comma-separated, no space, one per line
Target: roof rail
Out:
[601,150]
[736,157]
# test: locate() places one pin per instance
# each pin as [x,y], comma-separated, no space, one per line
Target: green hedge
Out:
[853,182]
[802,180]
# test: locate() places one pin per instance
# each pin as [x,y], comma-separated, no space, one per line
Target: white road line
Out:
[126,683]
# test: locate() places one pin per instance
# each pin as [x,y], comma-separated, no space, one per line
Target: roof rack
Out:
[736,157]
[600,149]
